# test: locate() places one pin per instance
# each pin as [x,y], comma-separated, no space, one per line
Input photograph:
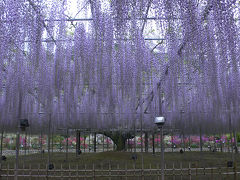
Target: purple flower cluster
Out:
[104,75]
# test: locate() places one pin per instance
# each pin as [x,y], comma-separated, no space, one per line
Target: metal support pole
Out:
[141,118]
[78,143]
[184,146]
[52,141]
[95,142]
[158,143]
[189,141]
[230,130]
[215,146]
[17,156]
[40,143]
[79,139]
[141,140]
[183,138]
[235,141]
[135,146]
[146,141]
[29,141]
[1,149]
[18,137]
[25,146]
[49,137]
[153,143]
[114,146]
[200,139]
[172,139]
[67,147]
[162,153]
[84,142]
[103,142]
[89,142]
[221,143]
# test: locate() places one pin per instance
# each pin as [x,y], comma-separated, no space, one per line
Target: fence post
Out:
[196,168]
[30,172]
[235,170]
[23,172]
[102,172]
[181,170]
[77,172]
[16,172]
[7,170]
[134,167]
[227,171]
[150,169]
[61,171]
[165,168]
[173,171]
[85,168]
[126,171]
[109,170]
[204,170]
[189,171]
[93,171]
[46,171]
[69,170]
[211,173]
[38,170]
[118,170]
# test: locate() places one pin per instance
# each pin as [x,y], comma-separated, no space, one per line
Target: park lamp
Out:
[159,121]
[24,124]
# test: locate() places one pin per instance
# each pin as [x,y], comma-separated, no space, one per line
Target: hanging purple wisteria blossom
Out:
[102,74]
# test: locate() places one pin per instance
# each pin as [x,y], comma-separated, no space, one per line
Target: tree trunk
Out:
[119,138]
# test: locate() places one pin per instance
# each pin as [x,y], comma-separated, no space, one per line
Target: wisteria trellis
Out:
[106,76]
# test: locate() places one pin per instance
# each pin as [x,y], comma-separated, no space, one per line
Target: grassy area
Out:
[123,160]
[120,159]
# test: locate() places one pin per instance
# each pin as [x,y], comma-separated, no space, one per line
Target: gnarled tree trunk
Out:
[119,138]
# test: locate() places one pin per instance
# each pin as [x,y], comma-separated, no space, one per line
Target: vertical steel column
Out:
[162,153]
[78,142]
[67,146]
[153,143]
[200,130]
[146,141]
[49,138]
[1,149]
[95,142]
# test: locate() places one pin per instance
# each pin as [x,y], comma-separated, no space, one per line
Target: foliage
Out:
[104,75]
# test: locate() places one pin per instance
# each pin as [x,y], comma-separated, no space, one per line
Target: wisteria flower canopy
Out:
[102,71]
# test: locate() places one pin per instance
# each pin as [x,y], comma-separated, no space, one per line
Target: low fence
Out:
[120,173]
